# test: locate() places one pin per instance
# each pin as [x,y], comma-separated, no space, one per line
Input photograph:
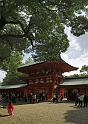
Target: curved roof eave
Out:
[60,64]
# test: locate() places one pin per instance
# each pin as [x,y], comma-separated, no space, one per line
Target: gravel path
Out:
[45,113]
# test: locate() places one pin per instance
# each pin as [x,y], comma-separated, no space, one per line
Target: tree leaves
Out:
[10,66]
[84,69]
[23,22]
[51,48]
[79,25]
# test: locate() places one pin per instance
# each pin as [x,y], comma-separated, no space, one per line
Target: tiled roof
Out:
[13,86]
[72,82]
[60,65]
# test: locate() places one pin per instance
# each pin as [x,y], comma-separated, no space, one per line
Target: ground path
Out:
[45,113]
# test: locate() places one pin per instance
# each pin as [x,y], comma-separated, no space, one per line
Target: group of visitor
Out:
[57,98]
[7,100]
[18,97]
[6,97]
[81,100]
[36,97]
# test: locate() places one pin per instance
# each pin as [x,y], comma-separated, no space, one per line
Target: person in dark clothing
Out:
[85,100]
[76,99]
[55,98]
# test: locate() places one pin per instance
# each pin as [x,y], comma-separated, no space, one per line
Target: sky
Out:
[76,55]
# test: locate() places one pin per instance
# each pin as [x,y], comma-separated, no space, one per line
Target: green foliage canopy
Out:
[24,21]
[84,69]
[51,50]
[10,66]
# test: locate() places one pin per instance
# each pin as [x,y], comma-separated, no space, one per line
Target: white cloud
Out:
[77,53]
[2,75]
[73,40]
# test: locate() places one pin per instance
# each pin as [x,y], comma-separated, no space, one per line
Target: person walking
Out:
[81,99]
[54,98]
[85,100]
[34,98]
[76,99]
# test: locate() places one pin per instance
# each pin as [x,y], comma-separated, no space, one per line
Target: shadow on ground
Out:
[4,115]
[77,116]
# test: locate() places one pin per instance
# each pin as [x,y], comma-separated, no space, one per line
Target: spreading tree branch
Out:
[26,31]
[17,23]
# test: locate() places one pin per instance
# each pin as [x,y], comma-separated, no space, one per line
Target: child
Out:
[10,108]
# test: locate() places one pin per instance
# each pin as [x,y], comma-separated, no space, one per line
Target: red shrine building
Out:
[45,77]
[72,86]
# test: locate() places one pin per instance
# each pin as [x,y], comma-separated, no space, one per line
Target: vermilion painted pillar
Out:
[52,88]
[62,92]
[50,93]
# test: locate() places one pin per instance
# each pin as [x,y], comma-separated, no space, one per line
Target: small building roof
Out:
[13,86]
[59,65]
[75,82]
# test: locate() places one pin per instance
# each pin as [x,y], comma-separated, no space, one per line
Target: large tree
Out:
[29,22]
[84,69]
[10,65]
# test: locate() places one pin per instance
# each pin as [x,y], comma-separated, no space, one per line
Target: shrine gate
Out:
[45,76]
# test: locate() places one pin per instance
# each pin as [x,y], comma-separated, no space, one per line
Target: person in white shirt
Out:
[81,99]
